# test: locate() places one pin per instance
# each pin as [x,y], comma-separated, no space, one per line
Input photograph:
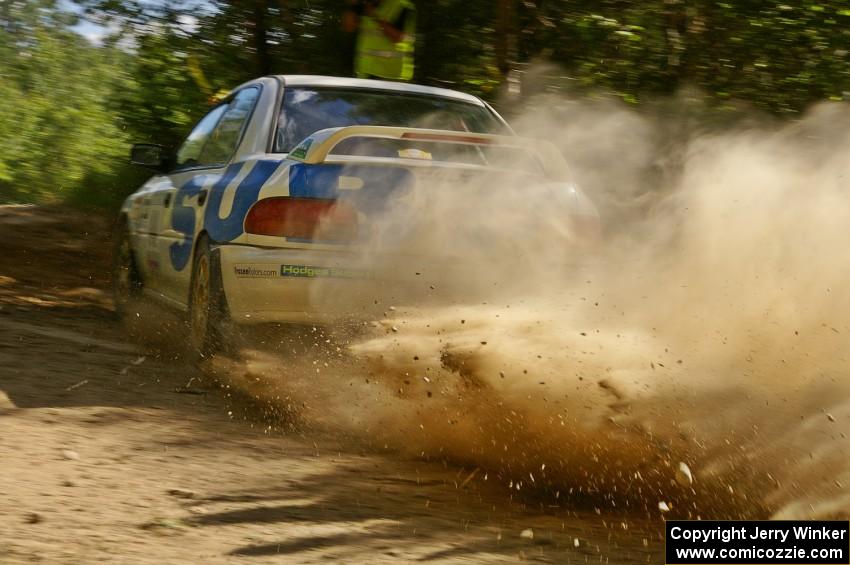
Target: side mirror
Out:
[149,155]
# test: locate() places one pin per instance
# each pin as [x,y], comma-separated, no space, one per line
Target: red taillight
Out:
[303,218]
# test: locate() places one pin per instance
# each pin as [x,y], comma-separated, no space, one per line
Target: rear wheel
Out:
[208,318]
[126,278]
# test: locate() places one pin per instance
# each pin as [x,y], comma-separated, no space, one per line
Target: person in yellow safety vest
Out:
[385,39]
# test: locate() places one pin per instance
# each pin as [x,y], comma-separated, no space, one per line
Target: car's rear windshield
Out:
[307,110]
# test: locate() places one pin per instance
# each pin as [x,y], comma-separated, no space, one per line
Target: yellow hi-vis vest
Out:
[377,55]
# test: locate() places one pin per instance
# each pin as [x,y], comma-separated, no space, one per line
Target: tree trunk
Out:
[505,35]
[264,63]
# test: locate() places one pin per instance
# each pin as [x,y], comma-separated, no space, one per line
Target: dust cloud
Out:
[691,362]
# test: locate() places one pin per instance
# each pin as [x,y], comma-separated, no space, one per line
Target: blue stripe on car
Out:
[219,229]
[183,221]
[380,184]
[231,227]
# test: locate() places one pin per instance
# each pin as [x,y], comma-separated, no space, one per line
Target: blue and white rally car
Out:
[277,184]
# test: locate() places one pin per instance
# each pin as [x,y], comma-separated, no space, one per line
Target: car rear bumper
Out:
[323,286]
[298,285]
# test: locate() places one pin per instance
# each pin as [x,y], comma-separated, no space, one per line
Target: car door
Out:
[199,163]
[146,214]
[159,200]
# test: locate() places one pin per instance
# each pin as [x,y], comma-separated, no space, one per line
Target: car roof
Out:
[345,82]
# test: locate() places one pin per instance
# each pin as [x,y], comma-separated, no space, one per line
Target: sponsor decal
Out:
[301,151]
[309,271]
[255,271]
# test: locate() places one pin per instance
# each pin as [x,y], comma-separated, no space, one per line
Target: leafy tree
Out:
[71,108]
[56,123]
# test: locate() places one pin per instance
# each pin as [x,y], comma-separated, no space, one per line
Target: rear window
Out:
[307,110]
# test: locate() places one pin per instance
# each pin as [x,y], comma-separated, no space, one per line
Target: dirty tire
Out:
[208,318]
[127,281]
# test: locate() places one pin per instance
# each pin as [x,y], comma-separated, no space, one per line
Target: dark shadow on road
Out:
[429,519]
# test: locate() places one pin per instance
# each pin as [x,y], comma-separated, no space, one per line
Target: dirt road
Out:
[114,450]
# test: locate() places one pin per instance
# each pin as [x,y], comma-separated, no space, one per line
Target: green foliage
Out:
[56,123]
[70,109]
[780,56]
